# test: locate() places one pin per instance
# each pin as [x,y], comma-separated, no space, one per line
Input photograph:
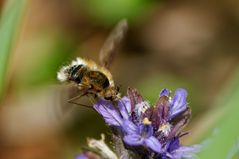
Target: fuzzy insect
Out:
[91,78]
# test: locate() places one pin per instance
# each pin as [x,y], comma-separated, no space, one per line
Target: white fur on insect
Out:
[63,74]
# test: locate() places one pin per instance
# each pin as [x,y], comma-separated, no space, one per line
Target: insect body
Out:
[90,78]
[95,79]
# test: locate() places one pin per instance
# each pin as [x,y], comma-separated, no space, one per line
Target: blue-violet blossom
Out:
[152,131]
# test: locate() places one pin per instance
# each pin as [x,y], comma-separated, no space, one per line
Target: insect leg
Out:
[80,104]
[72,100]
[76,97]
[91,99]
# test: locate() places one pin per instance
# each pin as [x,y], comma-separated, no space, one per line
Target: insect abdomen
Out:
[98,79]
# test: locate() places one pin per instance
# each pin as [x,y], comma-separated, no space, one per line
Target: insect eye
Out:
[74,70]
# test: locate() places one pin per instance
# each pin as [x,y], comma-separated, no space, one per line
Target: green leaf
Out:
[224,134]
[11,16]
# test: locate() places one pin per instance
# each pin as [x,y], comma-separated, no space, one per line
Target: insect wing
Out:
[112,43]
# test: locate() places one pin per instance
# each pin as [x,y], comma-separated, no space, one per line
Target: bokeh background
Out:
[169,44]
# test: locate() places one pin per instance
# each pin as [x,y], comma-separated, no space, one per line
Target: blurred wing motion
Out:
[112,43]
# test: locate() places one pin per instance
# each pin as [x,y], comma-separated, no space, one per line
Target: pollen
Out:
[141,107]
[146,121]
[170,99]
[165,128]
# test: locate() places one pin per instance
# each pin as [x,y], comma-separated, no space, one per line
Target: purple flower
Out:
[176,151]
[141,135]
[125,107]
[164,92]
[156,129]
[109,112]
[179,103]
[170,116]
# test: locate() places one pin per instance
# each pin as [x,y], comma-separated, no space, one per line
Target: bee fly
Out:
[91,78]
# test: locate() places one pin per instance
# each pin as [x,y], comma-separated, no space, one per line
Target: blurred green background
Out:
[190,44]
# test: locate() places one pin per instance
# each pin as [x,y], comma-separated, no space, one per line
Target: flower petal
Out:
[81,156]
[186,152]
[179,103]
[133,140]
[146,130]
[124,107]
[101,147]
[164,92]
[109,113]
[172,145]
[161,112]
[129,127]
[180,123]
[153,144]
[134,97]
